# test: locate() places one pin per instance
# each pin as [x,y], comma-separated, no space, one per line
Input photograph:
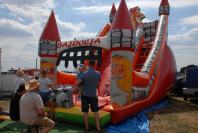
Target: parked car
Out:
[180,83]
[192,83]
[190,92]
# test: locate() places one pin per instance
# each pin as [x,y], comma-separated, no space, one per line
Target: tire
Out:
[185,97]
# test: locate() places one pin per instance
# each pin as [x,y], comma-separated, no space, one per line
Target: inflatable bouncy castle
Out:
[137,66]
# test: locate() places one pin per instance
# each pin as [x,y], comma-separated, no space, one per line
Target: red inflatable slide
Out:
[136,64]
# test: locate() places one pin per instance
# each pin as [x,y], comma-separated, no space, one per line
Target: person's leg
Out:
[50,104]
[97,120]
[95,109]
[85,118]
[46,123]
[47,101]
[85,109]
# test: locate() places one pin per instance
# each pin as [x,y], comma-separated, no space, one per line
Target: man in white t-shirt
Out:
[32,108]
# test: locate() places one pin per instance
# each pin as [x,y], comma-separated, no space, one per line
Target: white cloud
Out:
[69,30]
[156,3]
[101,8]
[11,28]
[76,0]
[189,37]
[19,36]
[185,54]
[94,9]
[185,47]
[28,2]
[28,12]
[20,33]
[18,52]
[70,26]
[85,35]
[76,33]
[192,20]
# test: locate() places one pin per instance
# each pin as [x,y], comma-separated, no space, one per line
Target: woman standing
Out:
[44,88]
[14,103]
[19,80]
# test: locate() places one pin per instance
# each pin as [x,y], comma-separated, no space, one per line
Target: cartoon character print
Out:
[121,71]
[136,17]
[50,67]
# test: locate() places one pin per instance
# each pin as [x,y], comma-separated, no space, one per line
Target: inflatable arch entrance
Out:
[136,64]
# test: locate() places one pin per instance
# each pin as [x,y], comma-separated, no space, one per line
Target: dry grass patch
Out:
[178,117]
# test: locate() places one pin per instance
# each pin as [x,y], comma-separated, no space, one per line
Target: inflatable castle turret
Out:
[121,31]
[121,35]
[47,47]
[112,13]
[107,26]
[164,8]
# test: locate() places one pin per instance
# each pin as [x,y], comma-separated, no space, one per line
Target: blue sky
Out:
[22,21]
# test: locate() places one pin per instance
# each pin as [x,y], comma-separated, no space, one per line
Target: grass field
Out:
[177,117]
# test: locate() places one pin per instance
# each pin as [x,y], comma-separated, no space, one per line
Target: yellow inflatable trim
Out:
[76,111]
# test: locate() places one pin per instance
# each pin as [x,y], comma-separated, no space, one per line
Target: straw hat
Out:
[31,85]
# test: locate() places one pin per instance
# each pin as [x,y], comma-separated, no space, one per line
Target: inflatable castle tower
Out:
[47,47]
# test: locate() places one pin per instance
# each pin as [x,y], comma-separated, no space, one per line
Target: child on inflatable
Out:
[81,69]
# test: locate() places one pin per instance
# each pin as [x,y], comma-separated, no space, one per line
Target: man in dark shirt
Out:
[90,80]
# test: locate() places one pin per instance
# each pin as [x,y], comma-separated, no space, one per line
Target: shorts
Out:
[44,122]
[45,96]
[92,101]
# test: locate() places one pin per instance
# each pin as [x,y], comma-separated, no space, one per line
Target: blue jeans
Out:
[45,96]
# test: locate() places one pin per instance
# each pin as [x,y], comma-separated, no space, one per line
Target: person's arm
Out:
[22,81]
[99,80]
[79,81]
[39,106]
[49,84]
[41,112]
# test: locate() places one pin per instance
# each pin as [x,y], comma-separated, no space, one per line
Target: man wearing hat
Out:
[32,108]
